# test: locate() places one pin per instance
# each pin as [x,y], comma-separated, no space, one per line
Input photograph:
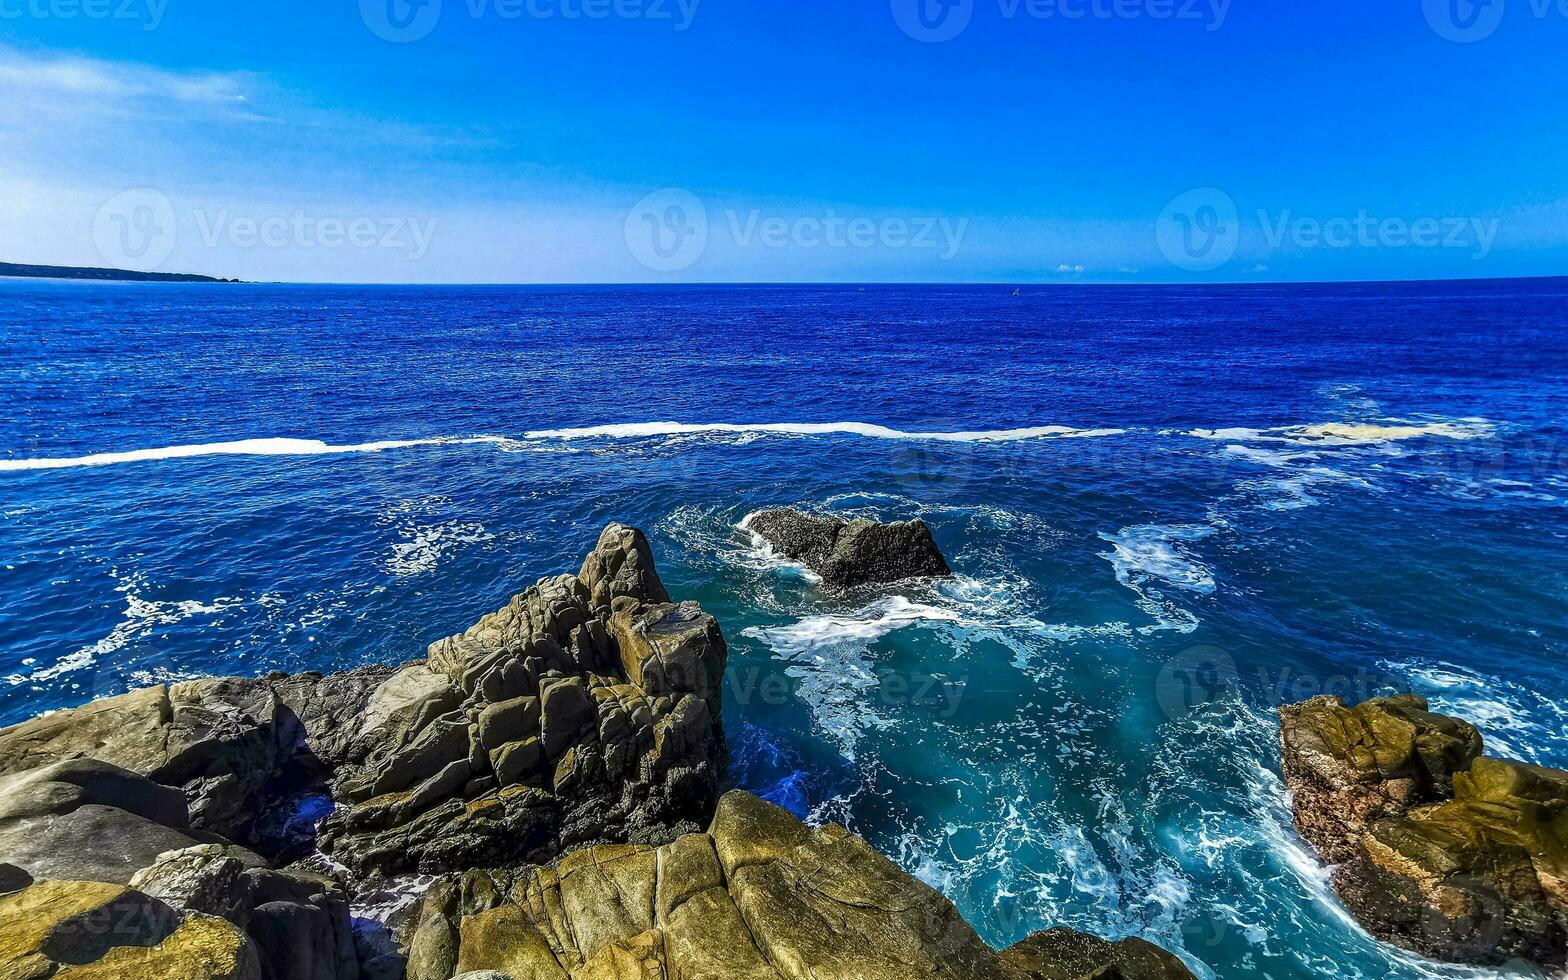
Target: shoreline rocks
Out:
[757,896]
[858,552]
[1436,847]
[556,772]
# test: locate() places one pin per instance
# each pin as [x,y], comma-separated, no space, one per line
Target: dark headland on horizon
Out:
[20,271]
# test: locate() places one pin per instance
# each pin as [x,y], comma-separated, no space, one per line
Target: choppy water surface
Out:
[1171,510]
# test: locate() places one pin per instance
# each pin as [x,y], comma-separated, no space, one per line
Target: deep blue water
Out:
[1077,730]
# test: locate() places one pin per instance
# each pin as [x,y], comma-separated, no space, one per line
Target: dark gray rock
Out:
[851,553]
[299,923]
[588,709]
[13,879]
[83,820]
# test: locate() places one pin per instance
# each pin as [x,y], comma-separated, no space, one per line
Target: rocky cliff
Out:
[555,771]
[1437,848]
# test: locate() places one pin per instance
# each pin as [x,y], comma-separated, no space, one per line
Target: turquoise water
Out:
[1170,511]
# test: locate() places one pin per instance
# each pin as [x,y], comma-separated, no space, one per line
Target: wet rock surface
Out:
[759,896]
[1438,848]
[569,744]
[851,553]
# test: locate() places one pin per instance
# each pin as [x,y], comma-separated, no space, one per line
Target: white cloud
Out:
[68,83]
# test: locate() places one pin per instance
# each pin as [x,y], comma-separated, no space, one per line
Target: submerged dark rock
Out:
[851,553]
[1438,848]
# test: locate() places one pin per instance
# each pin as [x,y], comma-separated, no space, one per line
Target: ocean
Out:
[1170,510]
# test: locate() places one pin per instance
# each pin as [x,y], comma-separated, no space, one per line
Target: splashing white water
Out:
[140,618]
[1152,556]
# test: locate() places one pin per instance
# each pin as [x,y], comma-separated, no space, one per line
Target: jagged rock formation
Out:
[586,710]
[758,897]
[1439,849]
[854,553]
[157,835]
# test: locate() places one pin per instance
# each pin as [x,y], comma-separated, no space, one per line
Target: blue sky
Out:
[726,140]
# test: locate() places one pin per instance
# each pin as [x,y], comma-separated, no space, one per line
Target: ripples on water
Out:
[1169,511]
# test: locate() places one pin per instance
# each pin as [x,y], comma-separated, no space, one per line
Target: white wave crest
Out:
[816,634]
[640,430]
[1516,720]
[241,447]
[426,541]
[140,618]
[1356,433]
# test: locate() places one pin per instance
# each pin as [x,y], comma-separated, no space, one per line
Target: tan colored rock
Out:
[506,940]
[202,948]
[1439,850]
[129,731]
[1349,767]
[758,897]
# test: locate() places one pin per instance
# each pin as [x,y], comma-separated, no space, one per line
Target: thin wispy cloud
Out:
[87,86]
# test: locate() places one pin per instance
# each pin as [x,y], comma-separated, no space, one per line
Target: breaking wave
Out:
[242,447]
[1356,433]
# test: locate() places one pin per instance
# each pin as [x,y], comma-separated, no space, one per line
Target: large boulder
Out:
[588,709]
[86,820]
[1349,767]
[851,553]
[760,896]
[1066,954]
[1438,849]
[238,748]
[298,922]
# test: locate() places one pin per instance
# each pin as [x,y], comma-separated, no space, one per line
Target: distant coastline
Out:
[17,271]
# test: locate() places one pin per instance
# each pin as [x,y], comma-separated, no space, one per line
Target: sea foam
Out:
[1356,433]
[631,430]
[241,447]
[640,430]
